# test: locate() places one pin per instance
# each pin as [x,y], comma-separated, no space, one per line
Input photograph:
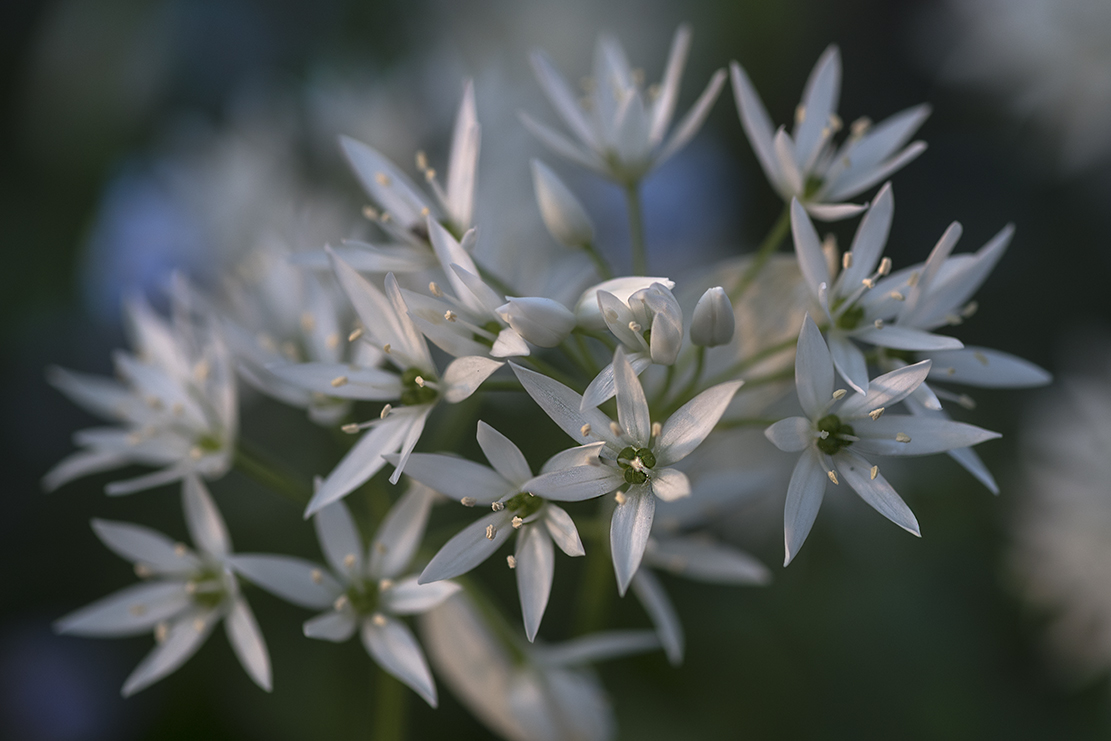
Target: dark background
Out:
[869,634]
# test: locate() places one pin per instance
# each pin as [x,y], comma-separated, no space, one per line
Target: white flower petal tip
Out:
[563,214]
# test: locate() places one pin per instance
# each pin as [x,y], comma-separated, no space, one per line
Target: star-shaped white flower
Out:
[839,428]
[806,164]
[503,488]
[364,589]
[632,452]
[621,128]
[175,399]
[185,593]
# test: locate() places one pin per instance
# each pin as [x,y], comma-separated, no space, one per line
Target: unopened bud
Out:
[540,321]
[565,217]
[712,323]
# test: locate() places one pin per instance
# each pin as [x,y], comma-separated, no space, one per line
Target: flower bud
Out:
[564,216]
[713,322]
[541,321]
[587,312]
[657,304]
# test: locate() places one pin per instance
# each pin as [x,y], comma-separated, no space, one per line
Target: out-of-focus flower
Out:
[713,323]
[563,214]
[838,427]
[632,451]
[526,692]
[505,489]
[365,590]
[176,401]
[185,594]
[621,128]
[805,164]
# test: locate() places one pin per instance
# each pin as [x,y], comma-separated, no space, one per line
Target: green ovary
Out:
[833,442]
[412,393]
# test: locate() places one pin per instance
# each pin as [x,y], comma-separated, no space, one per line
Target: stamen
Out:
[876,413]
[450,315]
[435,289]
[340,603]
[835,122]
[875,472]
[332,341]
[616,429]
[868,283]
[620,497]
[355,334]
[878,324]
[823,434]
[381,548]
[317,576]
[419,381]
[422,160]
[839,394]
[800,114]
[425,211]
[657,429]
[386,348]
[430,174]
[966,401]
[370,213]
[349,560]
[177,409]
[585,430]
[516,522]
[161,631]
[634,327]
[468,501]
[384,584]
[885,266]
[383,179]
[897,296]
[386,217]
[497,506]
[200,371]
[860,126]
[912,281]
[902,437]
[490,532]
[379,619]
[511,561]
[983,359]
[143,571]
[350,428]
[385,411]
[969,309]
[847,260]
[180,550]
[833,476]
[339,381]
[196,453]
[198,625]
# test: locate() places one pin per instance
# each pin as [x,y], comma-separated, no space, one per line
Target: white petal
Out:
[396,650]
[868,155]
[849,361]
[652,596]
[412,435]
[835,211]
[371,384]
[456,477]
[144,546]
[693,422]
[713,322]
[293,579]
[450,252]
[670,484]
[504,456]
[885,390]
[464,160]
[619,319]
[410,345]
[247,642]
[971,462]
[804,498]
[562,530]
[906,338]
[182,641]
[597,647]
[468,548]
[577,483]
[813,370]
[398,537]
[203,520]
[664,106]
[366,257]
[871,236]
[788,167]
[561,145]
[791,434]
[602,388]
[104,397]
[583,455]
[335,626]
[541,321]
[756,122]
[629,528]
[561,96]
[339,538]
[464,375]
[927,435]
[148,481]
[362,461]
[696,116]
[535,569]
[860,180]
[564,407]
[130,611]
[819,100]
[704,559]
[979,366]
[563,214]
[589,314]
[875,491]
[82,463]
[509,344]
[632,406]
[406,597]
[399,197]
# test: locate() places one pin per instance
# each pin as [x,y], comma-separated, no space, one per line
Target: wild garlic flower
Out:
[185,593]
[856,307]
[840,428]
[632,452]
[414,384]
[363,590]
[478,320]
[806,164]
[563,214]
[402,209]
[522,691]
[621,128]
[505,489]
[175,400]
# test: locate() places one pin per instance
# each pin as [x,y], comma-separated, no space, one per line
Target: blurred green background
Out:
[869,634]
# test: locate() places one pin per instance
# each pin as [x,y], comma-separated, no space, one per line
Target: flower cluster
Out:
[643,373]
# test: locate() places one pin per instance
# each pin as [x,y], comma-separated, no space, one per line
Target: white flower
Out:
[185,593]
[805,164]
[403,208]
[563,214]
[839,427]
[476,320]
[364,590]
[175,399]
[414,383]
[504,488]
[621,128]
[713,323]
[522,691]
[632,451]
[857,308]
[588,313]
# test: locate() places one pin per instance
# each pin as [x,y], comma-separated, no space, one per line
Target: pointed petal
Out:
[561,145]
[788,167]
[247,642]
[167,475]
[506,458]
[463,165]
[601,646]
[340,540]
[406,597]
[535,570]
[835,211]
[82,463]
[561,96]
[692,423]
[450,252]
[387,185]
[602,388]
[706,560]
[632,406]
[661,611]
[791,434]
[295,580]
[979,366]
[400,533]
[664,106]
[361,462]
[858,180]
[906,338]
[670,484]
[182,641]
[813,370]
[456,477]
[849,361]
[582,455]
[804,498]
[885,390]
[875,491]
[562,530]
[696,116]
[870,239]
[629,528]
[203,520]
[819,100]
[564,407]
[394,647]
[335,626]
[927,435]
[808,249]
[468,548]
[371,384]
[410,343]
[576,484]
[869,153]
[146,547]
[464,375]
[412,435]
[130,611]
[971,462]
[756,122]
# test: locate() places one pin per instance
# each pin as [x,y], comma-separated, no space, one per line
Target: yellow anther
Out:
[875,472]
[370,213]
[386,348]
[616,429]
[317,576]
[422,160]
[339,381]
[419,380]
[450,315]
[468,501]
[497,506]
[839,394]
[902,437]
[847,260]
[620,497]
[585,430]
[198,625]
[868,283]
[435,289]
[885,266]
[349,560]
[385,411]
[332,341]
[516,522]
[832,476]
[876,413]
[878,324]
[383,179]
[340,603]
[355,334]
[384,584]
[350,428]
[897,296]
[491,531]
[161,631]
[379,619]
[511,561]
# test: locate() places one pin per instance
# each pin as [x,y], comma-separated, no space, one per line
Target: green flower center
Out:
[834,441]
[851,318]
[636,462]
[524,505]
[363,597]
[493,328]
[813,183]
[414,393]
[207,589]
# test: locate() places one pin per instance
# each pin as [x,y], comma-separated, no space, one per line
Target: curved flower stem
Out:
[600,264]
[767,248]
[597,586]
[636,230]
[688,390]
[391,699]
[266,473]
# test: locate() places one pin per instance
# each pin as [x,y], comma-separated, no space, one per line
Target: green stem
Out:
[268,475]
[550,370]
[767,248]
[499,384]
[588,358]
[597,587]
[729,424]
[692,384]
[636,230]
[390,706]
[600,264]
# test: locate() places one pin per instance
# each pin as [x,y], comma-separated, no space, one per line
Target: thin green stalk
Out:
[269,476]
[584,350]
[550,370]
[596,590]
[731,424]
[390,705]
[636,230]
[767,248]
[600,264]
[501,384]
[692,384]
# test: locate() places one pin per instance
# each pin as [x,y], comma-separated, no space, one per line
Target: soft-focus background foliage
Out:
[122,120]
